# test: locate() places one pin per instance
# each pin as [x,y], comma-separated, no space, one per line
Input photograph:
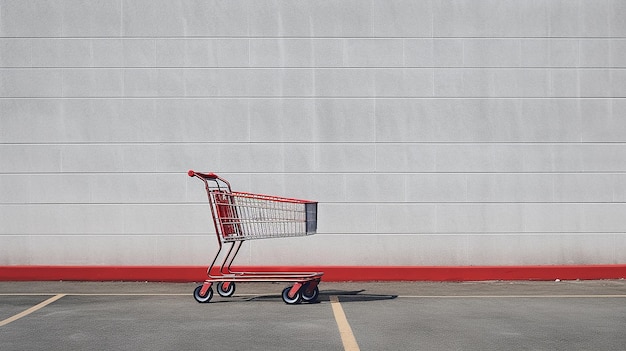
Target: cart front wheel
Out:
[291,300]
[202,298]
[310,296]
[228,291]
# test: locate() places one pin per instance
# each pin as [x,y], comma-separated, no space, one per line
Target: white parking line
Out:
[509,296]
[31,310]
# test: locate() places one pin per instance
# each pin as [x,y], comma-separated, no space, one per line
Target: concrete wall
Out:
[477,132]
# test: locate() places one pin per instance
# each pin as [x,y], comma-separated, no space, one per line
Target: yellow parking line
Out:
[347,337]
[31,310]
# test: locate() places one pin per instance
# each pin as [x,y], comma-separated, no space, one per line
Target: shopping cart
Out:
[240,216]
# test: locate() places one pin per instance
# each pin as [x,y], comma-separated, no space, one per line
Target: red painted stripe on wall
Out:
[331,273]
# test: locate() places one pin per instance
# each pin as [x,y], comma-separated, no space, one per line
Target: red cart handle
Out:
[193,173]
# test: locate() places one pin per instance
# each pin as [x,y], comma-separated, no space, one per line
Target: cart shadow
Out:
[342,295]
[354,296]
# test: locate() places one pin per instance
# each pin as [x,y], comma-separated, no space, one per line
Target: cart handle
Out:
[193,173]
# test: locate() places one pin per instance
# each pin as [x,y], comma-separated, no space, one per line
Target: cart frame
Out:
[240,216]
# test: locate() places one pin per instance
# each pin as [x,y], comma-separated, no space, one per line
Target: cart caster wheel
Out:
[291,300]
[202,298]
[311,296]
[228,292]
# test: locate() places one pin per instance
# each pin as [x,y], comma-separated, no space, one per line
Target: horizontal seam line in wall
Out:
[308,173]
[314,67]
[314,142]
[242,37]
[247,97]
[399,203]
[212,234]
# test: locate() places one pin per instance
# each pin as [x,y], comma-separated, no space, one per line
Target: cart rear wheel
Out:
[202,298]
[228,292]
[291,300]
[311,296]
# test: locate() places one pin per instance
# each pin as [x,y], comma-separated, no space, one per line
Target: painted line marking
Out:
[347,337]
[269,294]
[509,296]
[31,310]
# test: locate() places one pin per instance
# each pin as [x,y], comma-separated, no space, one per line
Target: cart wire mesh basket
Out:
[241,216]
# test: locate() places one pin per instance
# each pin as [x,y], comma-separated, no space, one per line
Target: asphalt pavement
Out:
[563,315]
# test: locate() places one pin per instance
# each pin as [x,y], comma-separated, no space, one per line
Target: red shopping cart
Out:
[240,216]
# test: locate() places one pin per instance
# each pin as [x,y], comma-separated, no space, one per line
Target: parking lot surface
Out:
[566,315]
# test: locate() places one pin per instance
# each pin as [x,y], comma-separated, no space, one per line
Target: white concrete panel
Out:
[406,218]
[198,120]
[376,188]
[489,19]
[25,120]
[403,83]
[16,53]
[110,250]
[603,120]
[346,218]
[107,52]
[320,187]
[181,157]
[351,18]
[61,53]
[574,218]
[345,157]
[619,242]
[328,52]
[402,18]
[618,83]
[344,120]
[299,158]
[109,219]
[84,19]
[30,82]
[618,53]
[139,52]
[405,158]
[593,83]
[471,132]
[90,83]
[281,120]
[281,53]
[190,250]
[541,249]
[564,18]
[15,250]
[344,83]
[511,188]
[491,53]
[595,18]
[595,53]
[202,52]
[327,158]
[618,11]
[552,119]
[373,53]
[61,219]
[437,187]
[31,18]
[480,218]
[448,53]
[152,18]
[30,158]
[552,52]
[366,250]
[586,187]
[419,53]
[15,189]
